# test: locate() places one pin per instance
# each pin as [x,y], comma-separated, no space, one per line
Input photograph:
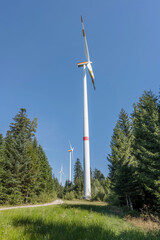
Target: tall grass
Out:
[70,222]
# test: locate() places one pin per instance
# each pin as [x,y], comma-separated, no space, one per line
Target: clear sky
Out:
[40,45]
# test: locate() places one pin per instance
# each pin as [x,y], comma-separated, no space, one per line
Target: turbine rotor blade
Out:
[72,156]
[85,42]
[91,74]
[70,145]
[87,55]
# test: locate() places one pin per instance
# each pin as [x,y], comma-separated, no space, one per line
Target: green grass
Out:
[71,221]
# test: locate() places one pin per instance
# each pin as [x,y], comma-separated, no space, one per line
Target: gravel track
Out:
[56,202]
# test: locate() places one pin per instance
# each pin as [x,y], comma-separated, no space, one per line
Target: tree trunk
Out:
[127,201]
[130,203]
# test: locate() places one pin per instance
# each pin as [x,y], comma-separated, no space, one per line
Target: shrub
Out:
[69,196]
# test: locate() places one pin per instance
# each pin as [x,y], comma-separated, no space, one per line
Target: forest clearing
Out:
[80,120]
[74,220]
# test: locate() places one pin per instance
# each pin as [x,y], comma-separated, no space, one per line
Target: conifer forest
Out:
[134,163]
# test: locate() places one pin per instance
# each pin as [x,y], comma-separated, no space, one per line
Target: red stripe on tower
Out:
[85,138]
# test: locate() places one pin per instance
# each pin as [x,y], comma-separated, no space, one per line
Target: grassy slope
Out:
[69,221]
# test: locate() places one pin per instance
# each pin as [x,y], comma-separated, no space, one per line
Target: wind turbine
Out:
[86,151]
[60,175]
[70,153]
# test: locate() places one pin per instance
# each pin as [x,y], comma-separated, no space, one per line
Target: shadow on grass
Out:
[37,229]
[103,210]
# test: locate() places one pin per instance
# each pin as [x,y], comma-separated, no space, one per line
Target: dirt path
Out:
[58,201]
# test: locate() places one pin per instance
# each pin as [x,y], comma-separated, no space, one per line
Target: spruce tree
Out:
[22,130]
[25,173]
[98,175]
[11,176]
[121,173]
[23,124]
[146,130]
[45,180]
[78,178]
[2,192]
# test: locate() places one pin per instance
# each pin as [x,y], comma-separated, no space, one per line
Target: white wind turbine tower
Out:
[70,156]
[60,175]
[86,151]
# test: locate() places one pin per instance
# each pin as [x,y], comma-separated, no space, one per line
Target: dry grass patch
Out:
[145,224]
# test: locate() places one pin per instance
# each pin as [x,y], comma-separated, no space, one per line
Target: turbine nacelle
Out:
[88,65]
[71,148]
[81,64]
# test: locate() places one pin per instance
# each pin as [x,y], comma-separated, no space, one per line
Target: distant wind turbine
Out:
[86,151]
[60,175]
[70,156]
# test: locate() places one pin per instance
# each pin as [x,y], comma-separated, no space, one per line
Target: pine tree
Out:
[146,130]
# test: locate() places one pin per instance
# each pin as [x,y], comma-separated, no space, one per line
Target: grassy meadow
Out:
[74,220]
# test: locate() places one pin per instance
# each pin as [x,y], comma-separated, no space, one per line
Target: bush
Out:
[69,196]
[98,192]
[45,197]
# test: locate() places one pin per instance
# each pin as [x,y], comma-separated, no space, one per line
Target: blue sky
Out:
[40,45]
